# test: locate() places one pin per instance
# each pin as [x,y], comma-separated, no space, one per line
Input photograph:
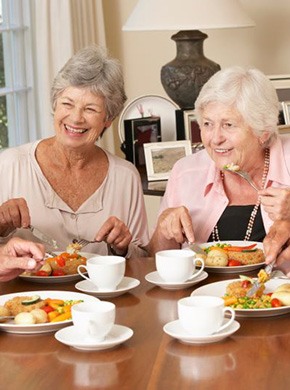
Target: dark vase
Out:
[183,77]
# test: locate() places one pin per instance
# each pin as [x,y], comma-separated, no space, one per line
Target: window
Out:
[17,115]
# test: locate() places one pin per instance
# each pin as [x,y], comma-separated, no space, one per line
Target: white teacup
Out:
[94,320]
[106,272]
[203,315]
[177,265]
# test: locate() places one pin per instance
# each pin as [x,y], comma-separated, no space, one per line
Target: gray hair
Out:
[91,68]
[247,90]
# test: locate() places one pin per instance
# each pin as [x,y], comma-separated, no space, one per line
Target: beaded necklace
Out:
[215,232]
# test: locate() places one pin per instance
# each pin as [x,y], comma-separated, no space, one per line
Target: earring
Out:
[261,142]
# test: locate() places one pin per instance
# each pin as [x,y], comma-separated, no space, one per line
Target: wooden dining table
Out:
[257,356]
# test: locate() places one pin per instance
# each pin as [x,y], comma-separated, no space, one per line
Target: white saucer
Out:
[90,288]
[70,336]
[154,278]
[174,329]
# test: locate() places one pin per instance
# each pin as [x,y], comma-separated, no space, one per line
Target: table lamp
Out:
[183,77]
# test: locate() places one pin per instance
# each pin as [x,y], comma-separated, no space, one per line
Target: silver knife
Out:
[197,248]
[43,237]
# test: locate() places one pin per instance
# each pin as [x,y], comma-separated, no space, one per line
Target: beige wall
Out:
[266,46]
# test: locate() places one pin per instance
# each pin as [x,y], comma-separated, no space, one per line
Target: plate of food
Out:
[272,299]
[232,256]
[59,269]
[39,311]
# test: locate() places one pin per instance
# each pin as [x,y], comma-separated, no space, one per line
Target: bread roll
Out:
[283,294]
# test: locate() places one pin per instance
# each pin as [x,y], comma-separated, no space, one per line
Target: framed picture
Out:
[187,127]
[139,131]
[284,129]
[286,112]
[161,156]
[281,82]
[191,127]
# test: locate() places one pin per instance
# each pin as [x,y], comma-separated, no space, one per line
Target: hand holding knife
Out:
[43,237]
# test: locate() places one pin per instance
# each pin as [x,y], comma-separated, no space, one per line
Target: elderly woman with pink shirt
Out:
[237,111]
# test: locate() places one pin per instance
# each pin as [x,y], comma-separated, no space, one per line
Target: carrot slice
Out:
[239,248]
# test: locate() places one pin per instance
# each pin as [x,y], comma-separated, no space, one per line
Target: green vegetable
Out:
[31,301]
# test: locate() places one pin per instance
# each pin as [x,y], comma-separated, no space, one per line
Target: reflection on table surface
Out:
[256,356]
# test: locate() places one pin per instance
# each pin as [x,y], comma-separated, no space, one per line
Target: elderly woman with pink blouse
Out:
[237,111]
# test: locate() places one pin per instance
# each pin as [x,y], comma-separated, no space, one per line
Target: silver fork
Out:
[245,176]
[83,242]
[256,285]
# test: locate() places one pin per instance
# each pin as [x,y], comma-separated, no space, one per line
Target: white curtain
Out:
[60,28]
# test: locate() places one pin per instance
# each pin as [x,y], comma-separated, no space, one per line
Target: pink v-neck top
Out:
[195,183]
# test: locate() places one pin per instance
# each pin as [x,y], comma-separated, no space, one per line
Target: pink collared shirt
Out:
[195,183]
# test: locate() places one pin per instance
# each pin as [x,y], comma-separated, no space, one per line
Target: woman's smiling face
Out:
[227,138]
[79,117]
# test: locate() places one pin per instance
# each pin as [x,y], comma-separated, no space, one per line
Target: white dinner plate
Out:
[56,279]
[238,268]
[89,287]
[154,278]
[153,105]
[174,329]
[11,327]
[218,289]
[72,337]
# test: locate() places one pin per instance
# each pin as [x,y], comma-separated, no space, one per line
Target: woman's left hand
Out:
[276,202]
[277,246]
[116,234]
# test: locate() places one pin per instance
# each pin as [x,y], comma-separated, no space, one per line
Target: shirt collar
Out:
[278,171]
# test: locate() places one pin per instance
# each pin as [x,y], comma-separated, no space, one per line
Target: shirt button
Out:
[73,216]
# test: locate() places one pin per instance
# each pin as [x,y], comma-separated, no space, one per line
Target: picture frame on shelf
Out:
[284,129]
[286,111]
[161,156]
[187,127]
[139,131]
[191,127]
[281,83]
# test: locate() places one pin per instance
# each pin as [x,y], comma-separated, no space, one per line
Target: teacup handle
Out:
[230,321]
[80,272]
[197,260]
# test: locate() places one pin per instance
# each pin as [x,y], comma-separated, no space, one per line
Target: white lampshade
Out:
[183,77]
[170,15]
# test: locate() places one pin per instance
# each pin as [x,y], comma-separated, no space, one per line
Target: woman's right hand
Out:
[13,214]
[175,224]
